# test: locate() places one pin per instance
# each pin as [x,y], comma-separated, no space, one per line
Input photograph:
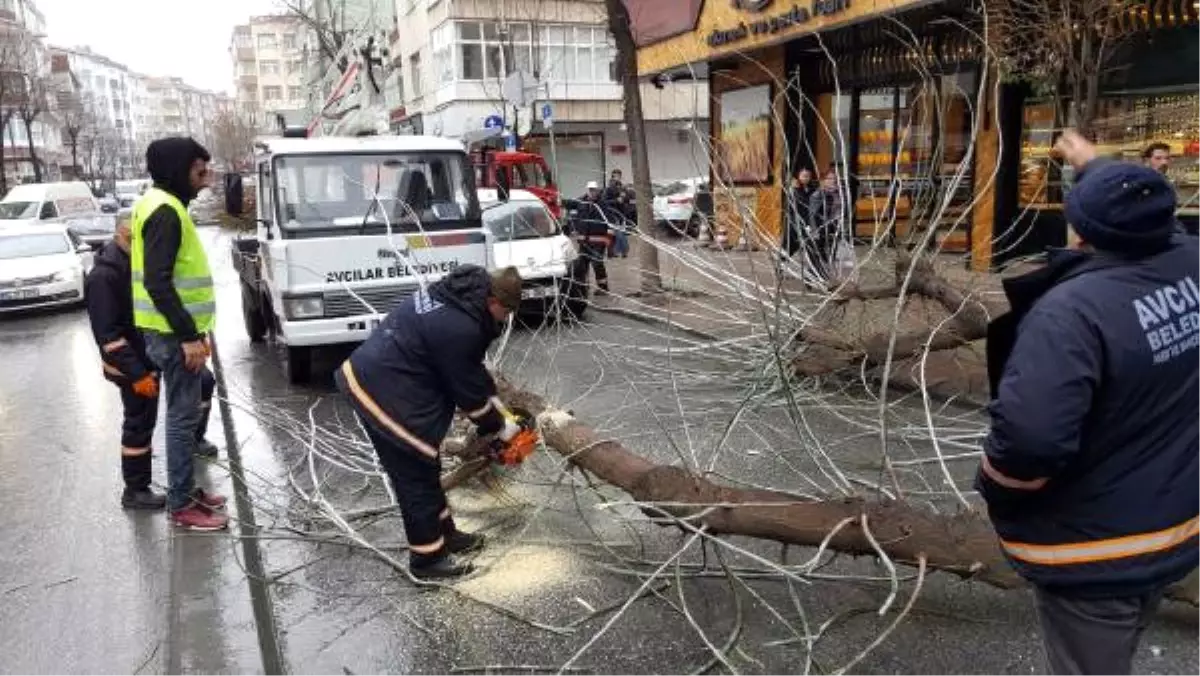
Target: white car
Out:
[682,205]
[524,234]
[41,266]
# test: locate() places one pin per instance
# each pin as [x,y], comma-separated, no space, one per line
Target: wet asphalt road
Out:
[86,587]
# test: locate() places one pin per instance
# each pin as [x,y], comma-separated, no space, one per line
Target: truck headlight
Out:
[304,307]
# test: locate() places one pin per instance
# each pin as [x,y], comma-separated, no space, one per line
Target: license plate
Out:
[19,294]
[539,292]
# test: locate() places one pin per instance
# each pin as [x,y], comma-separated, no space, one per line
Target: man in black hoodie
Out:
[174,306]
[126,365]
[405,382]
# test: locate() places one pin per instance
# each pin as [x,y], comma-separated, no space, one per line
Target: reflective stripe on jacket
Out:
[192,276]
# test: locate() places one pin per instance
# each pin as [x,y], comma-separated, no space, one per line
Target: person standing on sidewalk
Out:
[174,306]
[1090,471]
[591,234]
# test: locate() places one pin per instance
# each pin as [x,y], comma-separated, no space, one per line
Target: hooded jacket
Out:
[110,309]
[1094,426]
[425,360]
[169,160]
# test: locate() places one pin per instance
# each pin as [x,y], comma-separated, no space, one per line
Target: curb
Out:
[647,318]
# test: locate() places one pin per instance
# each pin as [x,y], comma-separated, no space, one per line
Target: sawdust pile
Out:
[520,572]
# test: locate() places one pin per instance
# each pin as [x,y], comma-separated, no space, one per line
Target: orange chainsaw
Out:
[516,450]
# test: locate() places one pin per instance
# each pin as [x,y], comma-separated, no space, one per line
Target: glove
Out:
[146,386]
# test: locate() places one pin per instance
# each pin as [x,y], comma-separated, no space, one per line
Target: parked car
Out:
[41,266]
[129,191]
[70,204]
[681,206]
[526,235]
[109,203]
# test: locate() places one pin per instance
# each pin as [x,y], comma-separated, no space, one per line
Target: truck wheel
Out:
[252,315]
[299,365]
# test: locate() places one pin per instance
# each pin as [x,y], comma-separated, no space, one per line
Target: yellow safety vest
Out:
[192,277]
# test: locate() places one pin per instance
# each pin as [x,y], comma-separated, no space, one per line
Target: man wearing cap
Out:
[1090,469]
[591,234]
[424,361]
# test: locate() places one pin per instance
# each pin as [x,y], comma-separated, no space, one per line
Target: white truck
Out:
[351,223]
[346,229]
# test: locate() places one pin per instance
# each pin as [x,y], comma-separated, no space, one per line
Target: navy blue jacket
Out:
[425,360]
[110,310]
[1094,381]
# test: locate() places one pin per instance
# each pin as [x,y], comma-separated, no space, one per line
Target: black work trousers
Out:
[417,482]
[1093,636]
[593,257]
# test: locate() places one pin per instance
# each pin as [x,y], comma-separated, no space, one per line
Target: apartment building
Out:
[269,68]
[24,59]
[452,56]
[107,90]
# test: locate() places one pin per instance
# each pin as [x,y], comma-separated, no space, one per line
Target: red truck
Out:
[525,171]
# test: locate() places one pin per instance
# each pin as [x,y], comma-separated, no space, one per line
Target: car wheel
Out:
[299,365]
[252,315]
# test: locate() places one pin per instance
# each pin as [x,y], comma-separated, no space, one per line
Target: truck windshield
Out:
[412,192]
[517,220]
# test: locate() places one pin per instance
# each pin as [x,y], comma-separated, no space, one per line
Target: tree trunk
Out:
[4,118]
[622,32]
[961,544]
[33,158]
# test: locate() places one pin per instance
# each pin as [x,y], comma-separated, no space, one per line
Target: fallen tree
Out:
[962,544]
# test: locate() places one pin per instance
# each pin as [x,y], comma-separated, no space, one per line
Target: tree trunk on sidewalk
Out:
[626,64]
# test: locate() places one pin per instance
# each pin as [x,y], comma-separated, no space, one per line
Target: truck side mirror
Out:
[233,194]
[502,186]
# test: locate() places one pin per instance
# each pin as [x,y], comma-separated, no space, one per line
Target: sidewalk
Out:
[716,295]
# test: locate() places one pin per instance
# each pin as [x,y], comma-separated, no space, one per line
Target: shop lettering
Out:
[795,16]
[389,272]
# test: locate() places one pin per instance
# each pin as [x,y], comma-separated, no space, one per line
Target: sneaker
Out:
[459,542]
[195,518]
[206,449]
[208,500]
[143,499]
[440,568]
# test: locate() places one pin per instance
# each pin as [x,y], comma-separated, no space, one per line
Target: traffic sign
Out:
[493,122]
[510,141]
[547,111]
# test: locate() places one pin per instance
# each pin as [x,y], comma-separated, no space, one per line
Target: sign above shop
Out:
[796,16]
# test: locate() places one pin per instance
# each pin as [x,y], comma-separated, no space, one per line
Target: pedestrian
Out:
[615,203]
[591,233]
[405,382]
[126,365]
[1157,156]
[795,231]
[174,306]
[826,223]
[1090,468]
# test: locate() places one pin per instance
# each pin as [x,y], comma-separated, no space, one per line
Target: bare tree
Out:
[11,67]
[327,20]
[33,105]
[233,138]
[76,118]
[1064,47]
[622,32]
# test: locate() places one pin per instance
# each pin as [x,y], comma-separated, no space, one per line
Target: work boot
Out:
[458,542]
[206,500]
[438,566]
[194,517]
[205,449]
[142,498]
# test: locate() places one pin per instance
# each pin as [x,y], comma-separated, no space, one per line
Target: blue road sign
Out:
[493,122]
[547,111]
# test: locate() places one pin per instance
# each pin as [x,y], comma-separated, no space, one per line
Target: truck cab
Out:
[346,229]
[524,171]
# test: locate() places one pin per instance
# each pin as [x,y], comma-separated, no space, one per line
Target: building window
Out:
[574,54]
[289,40]
[295,66]
[273,94]
[268,67]
[267,41]
[414,66]
[295,94]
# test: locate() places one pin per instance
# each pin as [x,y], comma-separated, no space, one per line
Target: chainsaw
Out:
[516,450]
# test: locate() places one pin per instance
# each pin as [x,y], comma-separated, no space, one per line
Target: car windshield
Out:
[28,246]
[519,220]
[673,188]
[416,191]
[18,210]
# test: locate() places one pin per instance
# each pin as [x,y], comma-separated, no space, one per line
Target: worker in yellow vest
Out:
[174,307]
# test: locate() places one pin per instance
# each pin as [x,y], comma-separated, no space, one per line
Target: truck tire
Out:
[299,365]
[252,315]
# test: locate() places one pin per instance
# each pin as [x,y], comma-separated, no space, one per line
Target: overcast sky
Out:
[182,38]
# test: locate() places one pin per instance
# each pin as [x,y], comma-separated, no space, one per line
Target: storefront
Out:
[935,149]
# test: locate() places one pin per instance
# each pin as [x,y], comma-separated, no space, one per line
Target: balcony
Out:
[248,79]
